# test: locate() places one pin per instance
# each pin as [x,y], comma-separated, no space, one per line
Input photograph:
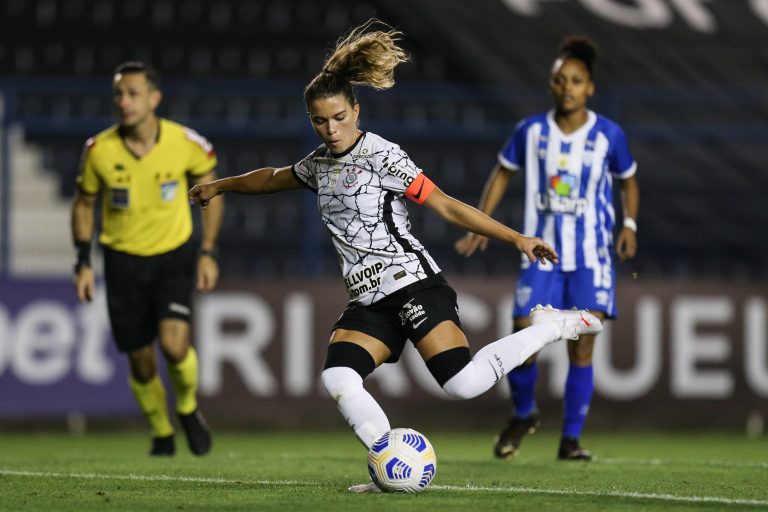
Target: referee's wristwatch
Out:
[83,249]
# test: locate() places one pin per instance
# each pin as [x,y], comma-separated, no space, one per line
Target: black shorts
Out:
[142,290]
[409,313]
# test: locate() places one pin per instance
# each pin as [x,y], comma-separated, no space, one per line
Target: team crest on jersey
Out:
[350,178]
[168,190]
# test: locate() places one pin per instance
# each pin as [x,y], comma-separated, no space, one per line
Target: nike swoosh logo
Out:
[495,372]
[417,324]
[584,320]
[418,194]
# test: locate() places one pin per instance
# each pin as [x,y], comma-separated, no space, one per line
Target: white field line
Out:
[613,494]
[471,488]
[730,464]
[660,462]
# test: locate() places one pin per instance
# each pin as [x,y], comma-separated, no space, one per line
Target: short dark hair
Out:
[137,66]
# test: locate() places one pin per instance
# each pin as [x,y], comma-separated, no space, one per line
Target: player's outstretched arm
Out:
[461,214]
[492,193]
[261,181]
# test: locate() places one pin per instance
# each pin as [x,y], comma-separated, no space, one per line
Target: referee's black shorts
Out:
[142,290]
[409,313]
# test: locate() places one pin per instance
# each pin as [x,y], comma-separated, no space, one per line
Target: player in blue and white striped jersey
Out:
[570,157]
[395,288]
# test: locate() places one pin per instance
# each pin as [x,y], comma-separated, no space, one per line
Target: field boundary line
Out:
[704,463]
[613,494]
[471,488]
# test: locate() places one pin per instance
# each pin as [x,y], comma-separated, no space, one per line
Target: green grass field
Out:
[311,471]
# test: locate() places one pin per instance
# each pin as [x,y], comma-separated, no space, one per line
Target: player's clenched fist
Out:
[202,193]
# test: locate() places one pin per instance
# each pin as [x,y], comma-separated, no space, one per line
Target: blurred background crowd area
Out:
[685,79]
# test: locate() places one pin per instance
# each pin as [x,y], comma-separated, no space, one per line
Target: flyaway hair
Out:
[366,56]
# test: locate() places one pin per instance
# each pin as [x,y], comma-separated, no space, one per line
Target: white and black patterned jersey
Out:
[360,195]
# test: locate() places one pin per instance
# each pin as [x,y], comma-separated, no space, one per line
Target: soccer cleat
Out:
[163,447]
[361,488]
[197,431]
[570,324]
[571,450]
[508,441]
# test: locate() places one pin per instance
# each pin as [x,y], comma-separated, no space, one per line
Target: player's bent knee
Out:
[340,381]
[466,384]
[445,365]
[457,374]
[349,355]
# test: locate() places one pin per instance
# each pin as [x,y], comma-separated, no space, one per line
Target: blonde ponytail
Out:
[363,57]
[368,58]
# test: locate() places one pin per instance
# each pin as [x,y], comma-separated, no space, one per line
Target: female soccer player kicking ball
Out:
[395,288]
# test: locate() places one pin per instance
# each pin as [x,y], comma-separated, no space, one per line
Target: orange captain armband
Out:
[420,189]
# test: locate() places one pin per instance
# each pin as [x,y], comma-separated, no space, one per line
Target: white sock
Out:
[496,359]
[358,407]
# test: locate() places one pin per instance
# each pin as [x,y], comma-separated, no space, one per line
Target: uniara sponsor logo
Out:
[552,203]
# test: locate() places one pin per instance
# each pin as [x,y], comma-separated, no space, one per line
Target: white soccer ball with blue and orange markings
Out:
[402,460]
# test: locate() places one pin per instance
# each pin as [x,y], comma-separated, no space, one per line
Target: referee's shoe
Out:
[163,446]
[197,431]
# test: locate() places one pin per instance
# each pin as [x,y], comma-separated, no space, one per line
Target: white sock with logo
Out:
[496,359]
[358,407]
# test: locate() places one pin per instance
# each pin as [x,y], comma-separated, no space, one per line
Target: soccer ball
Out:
[402,460]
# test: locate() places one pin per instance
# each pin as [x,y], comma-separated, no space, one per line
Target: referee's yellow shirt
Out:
[145,210]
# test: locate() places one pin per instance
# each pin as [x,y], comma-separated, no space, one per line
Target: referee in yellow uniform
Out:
[139,167]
